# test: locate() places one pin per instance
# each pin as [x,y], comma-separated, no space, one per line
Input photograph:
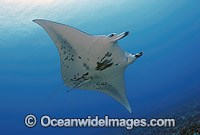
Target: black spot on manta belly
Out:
[108,54]
[66,58]
[64,51]
[86,66]
[103,65]
[80,79]
[85,74]
[63,47]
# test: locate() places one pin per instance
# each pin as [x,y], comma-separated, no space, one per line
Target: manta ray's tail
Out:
[77,86]
[49,97]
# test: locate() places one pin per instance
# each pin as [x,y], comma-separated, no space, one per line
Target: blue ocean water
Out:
[164,78]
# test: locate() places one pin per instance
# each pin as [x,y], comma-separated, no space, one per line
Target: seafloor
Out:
[187,122]
[187,119]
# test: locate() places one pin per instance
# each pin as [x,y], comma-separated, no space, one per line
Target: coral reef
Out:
[187,122]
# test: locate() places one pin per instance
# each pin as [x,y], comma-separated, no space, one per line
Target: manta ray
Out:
[91,62]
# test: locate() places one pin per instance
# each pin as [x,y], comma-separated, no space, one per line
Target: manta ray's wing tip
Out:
[35,20]
[129,109]
[127,106]
[38,20]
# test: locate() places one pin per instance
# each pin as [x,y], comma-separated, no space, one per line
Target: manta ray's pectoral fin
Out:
[65,37]
[113,86]
[79,85]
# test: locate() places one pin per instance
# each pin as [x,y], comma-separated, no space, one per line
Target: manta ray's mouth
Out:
[122,35]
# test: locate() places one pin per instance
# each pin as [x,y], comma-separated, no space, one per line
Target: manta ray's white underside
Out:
[90,62]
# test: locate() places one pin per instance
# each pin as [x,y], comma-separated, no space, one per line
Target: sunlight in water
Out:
[28,1]
[16,15]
